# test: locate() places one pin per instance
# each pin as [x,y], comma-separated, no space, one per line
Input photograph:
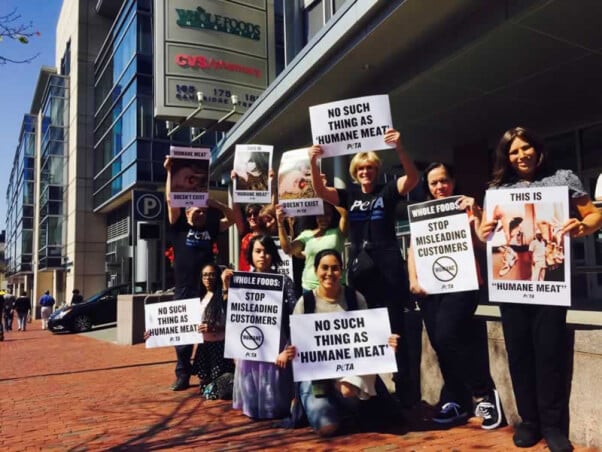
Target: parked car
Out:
[99,309]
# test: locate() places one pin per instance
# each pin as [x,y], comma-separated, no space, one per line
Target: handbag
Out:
[362,269]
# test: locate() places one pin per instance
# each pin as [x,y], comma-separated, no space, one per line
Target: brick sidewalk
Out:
[71,392]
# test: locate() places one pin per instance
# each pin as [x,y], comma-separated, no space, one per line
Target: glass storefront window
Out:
[591,147]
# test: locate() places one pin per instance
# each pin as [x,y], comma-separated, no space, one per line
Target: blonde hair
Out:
[364,157]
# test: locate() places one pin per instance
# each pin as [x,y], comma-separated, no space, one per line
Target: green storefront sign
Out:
[204,20]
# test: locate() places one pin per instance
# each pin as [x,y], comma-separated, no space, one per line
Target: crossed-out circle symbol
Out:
[445,269]
[251,338]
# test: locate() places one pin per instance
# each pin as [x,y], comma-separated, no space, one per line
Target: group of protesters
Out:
[376,276]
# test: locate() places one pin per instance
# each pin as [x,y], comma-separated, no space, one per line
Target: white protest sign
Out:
[528,258]
[286,267]
[341,344]
[173,322]
[352,125]
[252,163]
[296,193]
[254,316]
[442,246]
[189,176]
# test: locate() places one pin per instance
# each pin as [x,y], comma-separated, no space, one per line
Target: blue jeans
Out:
[22,320]
[330,409]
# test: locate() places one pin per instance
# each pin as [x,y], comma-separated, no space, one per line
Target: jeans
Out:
[22,320]
[330,410]
[8,321]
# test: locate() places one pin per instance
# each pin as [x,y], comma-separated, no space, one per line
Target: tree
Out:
[12,28]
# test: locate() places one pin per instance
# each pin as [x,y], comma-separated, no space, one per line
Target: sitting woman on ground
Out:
[331,405]
[459,340]
[264,390]
[209,362]
[328,233]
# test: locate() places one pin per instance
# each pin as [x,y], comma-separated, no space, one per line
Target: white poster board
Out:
[529,219]
[296,193]
[442,246]
[286,267]
[352,125]
[252,163]
[173,322]
[189,176]
[254,316]
[341,344]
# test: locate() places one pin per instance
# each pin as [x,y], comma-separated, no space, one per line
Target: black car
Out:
[99,309]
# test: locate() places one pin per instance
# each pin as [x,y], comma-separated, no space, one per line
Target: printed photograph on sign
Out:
[527,244]
[296,193]
[189,177]
[352,125]
[172,322]
[251,165]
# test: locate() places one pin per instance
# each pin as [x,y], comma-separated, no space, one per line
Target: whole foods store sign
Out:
[219,47]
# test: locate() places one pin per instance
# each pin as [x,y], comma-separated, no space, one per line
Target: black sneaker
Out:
[180,385]
[490,410]
[526,434]
[450,413]
[556,440]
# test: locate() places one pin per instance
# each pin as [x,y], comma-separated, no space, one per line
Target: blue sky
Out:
[17,81]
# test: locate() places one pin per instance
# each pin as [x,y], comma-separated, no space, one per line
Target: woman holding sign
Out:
[209,362]
[332,404]
[459,340]
[375,266]
[535,335]
[264,390]
[329,232]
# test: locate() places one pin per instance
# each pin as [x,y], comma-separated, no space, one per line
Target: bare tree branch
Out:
[12,28]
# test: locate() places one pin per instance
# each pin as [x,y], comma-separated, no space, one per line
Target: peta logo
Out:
[378,203]
[198,235]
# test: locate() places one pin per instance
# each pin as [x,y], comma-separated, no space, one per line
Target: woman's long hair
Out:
[215,312]
[503,172]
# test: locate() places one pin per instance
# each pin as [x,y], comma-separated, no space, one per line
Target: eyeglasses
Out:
[209,275]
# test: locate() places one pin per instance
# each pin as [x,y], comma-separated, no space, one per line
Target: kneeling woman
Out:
[330,404]
[264,390]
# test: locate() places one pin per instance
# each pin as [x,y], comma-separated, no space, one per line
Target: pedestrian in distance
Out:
[46,303]
[8,313]
[76,297]
[23,308]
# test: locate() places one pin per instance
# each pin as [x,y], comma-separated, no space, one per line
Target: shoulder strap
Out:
[351,298]
[309,302]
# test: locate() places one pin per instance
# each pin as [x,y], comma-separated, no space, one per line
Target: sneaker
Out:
[526,434]
[490,410]
[180,385]
[450,413]
[556,440]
